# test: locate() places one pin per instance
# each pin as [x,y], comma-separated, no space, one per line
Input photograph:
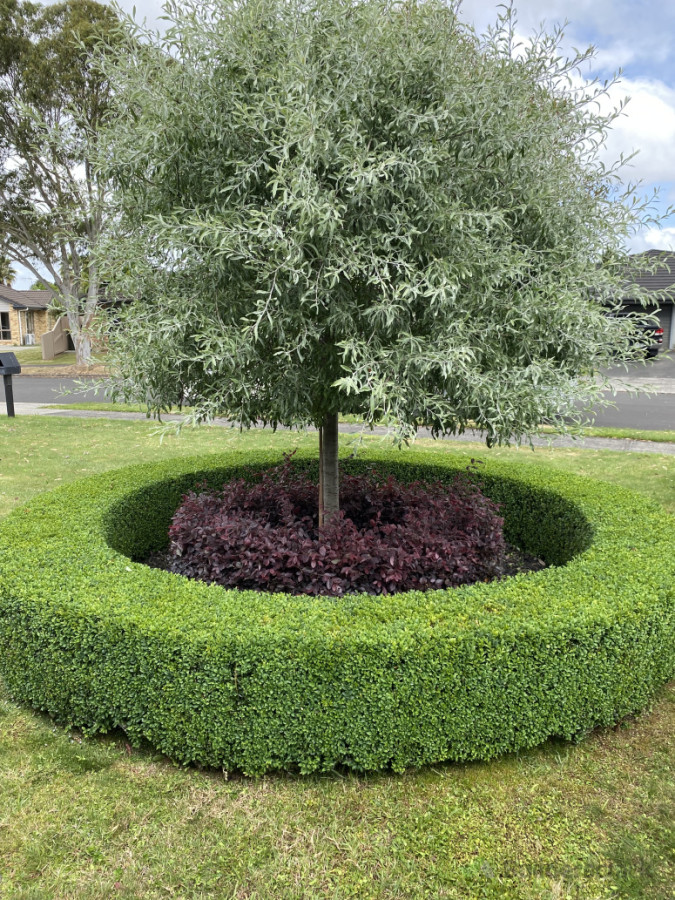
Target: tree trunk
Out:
[82,342]
[320,476]
[329,478]
[80,320]
[89,311]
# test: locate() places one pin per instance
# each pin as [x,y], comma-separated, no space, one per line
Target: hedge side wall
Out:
[257,682]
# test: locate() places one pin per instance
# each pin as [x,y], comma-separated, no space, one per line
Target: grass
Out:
[92,818]
[95,406]
[32,356]
[633,434]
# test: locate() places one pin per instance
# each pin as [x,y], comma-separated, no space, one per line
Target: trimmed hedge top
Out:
[255,681]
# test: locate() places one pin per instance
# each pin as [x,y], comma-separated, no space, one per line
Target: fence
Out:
[56,340]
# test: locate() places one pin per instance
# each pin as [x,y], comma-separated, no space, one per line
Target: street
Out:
[652,413]
[33,389]
[649,412]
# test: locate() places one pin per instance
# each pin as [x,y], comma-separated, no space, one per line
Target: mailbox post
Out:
[9,365]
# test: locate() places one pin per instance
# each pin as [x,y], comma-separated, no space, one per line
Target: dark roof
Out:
[25,299]
[663,276]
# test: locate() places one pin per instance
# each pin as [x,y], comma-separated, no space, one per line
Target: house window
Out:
[5,332]
[30,322]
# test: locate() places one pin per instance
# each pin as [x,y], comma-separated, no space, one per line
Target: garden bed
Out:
[255,681]
[387,537]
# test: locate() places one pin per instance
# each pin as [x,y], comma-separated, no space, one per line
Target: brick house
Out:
[24,316]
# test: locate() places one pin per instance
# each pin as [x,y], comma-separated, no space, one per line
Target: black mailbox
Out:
[9,364]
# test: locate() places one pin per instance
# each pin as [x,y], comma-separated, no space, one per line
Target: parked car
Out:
[651,336]
[655,335]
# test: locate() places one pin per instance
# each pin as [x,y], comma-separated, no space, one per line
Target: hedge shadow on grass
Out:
[258,682]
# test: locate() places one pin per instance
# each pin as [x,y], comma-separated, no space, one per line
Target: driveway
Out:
[657,373]
[660,366]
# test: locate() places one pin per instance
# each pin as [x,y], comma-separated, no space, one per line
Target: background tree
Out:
[40,285]
[7,271]
[52,102]
[361,206]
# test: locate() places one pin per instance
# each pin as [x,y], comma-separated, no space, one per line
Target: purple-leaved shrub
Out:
[388,537]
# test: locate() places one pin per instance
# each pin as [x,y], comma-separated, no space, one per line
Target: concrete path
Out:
[554,441]
[629,384]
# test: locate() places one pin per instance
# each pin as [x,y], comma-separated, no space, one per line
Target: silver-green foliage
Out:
[361,206]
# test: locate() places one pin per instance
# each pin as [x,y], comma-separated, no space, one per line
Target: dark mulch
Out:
[516,562]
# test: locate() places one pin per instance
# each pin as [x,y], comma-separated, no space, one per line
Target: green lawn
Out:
[103,406]
[92,818]
[32,356]
[634,434]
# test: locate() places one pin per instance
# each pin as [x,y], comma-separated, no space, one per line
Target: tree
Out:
[7,272]
[52,102]
[40,285]
[361,206]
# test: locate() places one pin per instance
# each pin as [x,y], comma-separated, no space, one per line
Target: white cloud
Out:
[145,9]
[647,125]
[654,239]
[24,277]
[615,56]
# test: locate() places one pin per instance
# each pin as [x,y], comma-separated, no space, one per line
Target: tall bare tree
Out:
[52,103]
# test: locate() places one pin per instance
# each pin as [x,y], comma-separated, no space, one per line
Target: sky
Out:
[634,36]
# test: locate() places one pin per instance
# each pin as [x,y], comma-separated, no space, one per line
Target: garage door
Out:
[666,320]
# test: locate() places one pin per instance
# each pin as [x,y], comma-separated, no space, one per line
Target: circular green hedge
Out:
[257,682]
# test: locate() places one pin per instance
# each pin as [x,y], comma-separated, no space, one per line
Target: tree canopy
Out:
[52,102]
[361,206]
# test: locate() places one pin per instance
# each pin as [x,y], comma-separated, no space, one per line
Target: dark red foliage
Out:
[389,537]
